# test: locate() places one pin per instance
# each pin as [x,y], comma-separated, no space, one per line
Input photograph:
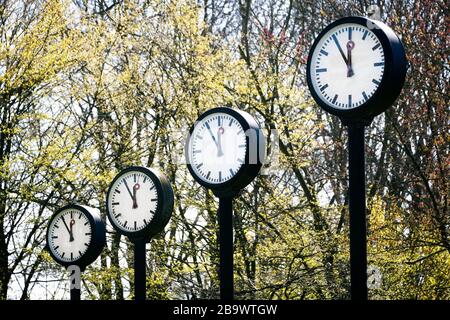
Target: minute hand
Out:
[129,191]
[340,49]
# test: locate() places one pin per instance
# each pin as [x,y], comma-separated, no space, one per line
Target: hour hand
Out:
[219,142]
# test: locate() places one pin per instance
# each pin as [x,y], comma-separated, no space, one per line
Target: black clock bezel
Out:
[247,172]
[164,205]
[98,236]
[392,80]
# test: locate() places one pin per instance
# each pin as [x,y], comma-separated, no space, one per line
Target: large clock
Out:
[139,202]
[356,68]
[75,235]
[225,150]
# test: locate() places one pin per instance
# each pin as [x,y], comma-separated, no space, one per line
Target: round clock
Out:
[225,150]
[139,202]
[75,235]
[356,68]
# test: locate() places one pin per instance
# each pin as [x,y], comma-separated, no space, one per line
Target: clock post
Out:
[357,211]
[224,153]
[139,269]
[225,213]
[356,70]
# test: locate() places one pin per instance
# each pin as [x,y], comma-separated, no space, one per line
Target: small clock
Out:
[139,202]
[356,68]
[225,150]
[75,235]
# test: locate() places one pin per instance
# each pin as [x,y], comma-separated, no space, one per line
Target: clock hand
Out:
[135,188]
[212,136]
[340,49]
[72,222]
[219,141]
[350,46]
[68,230]
[128,188]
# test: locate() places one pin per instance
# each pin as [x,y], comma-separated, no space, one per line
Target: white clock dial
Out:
[70,235]
[347,66]
[217,148]
[132,201]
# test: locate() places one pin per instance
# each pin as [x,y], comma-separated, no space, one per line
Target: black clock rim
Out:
[163,206]
[98,237]
[247,172]
[392,80]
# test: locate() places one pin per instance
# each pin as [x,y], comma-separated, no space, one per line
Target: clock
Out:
[225,150]
[356,68]
[75,235]
[139,202]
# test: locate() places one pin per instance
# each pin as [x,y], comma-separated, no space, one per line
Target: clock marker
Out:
[375,81]
[334,99]
[209,173]
[365,34]
[115,203]
[321,70]
[324,52]
[376,46]
[349,100]
[364,95]
[350,33]
[324,87]
[378,64]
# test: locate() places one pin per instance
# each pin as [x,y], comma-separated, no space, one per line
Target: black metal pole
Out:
[139,270]
[226,248]
[75,294]
[357,208]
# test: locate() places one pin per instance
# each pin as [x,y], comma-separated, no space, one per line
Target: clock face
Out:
[347,66]
[132,201]
[70,234]
[217,148]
